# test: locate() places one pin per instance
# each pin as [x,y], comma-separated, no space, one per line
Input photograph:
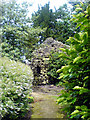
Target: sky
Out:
[53,4]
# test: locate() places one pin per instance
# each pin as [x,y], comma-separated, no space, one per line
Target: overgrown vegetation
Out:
[55,63]
[20,35]
[57,23]
[75,73]
[15,88]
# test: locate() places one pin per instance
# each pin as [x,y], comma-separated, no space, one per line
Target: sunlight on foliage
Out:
[75,73]
[15,84]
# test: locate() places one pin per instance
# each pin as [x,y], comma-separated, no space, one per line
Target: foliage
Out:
[75,73]
[18,37]
[55,62]
[15,87]
[64,28]
[57,23]
[44,18]
[75,2]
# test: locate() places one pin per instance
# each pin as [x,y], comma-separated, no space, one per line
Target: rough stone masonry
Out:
[40,59]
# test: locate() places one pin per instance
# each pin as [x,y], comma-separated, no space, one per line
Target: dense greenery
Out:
[15,88]
[64,28]
[75,74]
[55,63]
[45,18]
[18,37]
[57,23]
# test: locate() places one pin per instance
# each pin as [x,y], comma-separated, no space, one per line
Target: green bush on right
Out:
[76,73]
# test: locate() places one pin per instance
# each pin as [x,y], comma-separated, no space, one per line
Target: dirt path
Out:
[45,105]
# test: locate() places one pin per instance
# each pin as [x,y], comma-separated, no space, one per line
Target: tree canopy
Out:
[18,36]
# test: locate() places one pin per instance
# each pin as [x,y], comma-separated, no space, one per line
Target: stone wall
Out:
[40,59]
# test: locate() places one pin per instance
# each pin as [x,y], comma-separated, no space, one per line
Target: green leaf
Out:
[74,100]
[76,59]
[85,78]
[77,88]
[75,112]
[60,99]
[59,70]
[61,76]
[78,9]
[78,25]
[83,107]
[77,36]
[77,107]
[62,49]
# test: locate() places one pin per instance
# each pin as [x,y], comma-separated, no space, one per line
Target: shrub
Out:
[15,86]
[55,62]
[75,74]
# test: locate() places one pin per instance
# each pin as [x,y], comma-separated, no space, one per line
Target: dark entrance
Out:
[38,70]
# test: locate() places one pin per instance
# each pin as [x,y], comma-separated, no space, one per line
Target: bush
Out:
[75,75]
[55,62]
[15,86]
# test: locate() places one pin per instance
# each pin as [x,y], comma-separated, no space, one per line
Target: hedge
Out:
[15,87]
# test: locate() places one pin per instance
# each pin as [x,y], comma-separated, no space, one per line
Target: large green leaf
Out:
[76,59]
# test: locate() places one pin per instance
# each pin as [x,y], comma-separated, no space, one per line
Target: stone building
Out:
[40,59]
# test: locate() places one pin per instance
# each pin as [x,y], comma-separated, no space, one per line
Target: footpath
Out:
[44,105]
